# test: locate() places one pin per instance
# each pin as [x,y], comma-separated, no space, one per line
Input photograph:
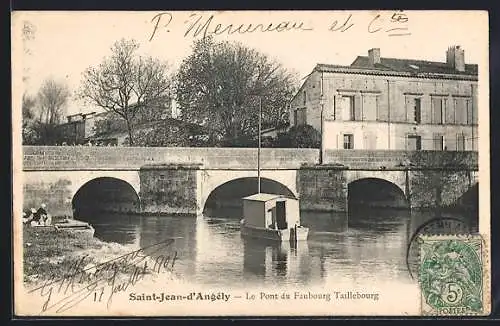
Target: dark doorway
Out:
[281,215]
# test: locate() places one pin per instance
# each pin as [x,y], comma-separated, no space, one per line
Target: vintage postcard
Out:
[251,163]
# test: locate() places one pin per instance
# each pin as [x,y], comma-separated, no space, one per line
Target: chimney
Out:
[374,56]
[455,58]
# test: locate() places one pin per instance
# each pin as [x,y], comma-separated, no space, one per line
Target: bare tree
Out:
[28,132]
[52,99]
[126,83]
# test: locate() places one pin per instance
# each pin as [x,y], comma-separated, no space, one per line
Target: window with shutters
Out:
[460,111]
[348,108]
[413,143]
[370,103]
[438,108]
[438,142]
[461,142]
[348,141]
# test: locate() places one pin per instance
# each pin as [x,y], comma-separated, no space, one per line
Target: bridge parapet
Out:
[376,159]
[46,158]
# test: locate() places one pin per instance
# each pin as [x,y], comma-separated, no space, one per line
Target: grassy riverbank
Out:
[48,252]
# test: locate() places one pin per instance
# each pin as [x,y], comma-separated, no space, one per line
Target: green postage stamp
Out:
[452,275]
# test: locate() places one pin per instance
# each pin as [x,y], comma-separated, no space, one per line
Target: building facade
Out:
[392,104]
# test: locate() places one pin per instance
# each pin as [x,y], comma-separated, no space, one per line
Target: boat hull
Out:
[275,235]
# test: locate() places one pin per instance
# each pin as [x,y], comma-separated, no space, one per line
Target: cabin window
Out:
[348,141]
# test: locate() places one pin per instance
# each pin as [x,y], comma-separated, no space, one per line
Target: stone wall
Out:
[169,189]
[431,189]
[365,159]
[56,195]
[88,158]
[322,189]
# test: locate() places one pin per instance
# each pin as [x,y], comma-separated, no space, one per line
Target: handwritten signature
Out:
[199,25]
[106,279]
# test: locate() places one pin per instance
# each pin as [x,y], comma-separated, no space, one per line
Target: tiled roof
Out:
[409,65]
[402,67]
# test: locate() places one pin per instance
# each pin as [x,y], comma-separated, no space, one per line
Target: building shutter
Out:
[410,109]
[337,106]
[460,111]
[437,110]
[450,113]
[468,108]
[438,142]
[460,142]
[369,108]
[358,108]
[450,142]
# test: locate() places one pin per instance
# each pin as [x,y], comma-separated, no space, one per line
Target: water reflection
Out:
[366,246]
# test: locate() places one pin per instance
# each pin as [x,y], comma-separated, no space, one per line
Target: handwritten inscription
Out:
[202,25]
[101,282]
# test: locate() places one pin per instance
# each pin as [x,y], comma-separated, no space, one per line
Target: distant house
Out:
[76,129]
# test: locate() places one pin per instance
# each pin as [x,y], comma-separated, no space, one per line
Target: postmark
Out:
[452,275]
[438,225]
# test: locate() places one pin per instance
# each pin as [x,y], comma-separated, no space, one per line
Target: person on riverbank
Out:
[28,215]
[41,215]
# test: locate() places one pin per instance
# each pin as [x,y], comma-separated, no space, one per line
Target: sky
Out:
[64,44]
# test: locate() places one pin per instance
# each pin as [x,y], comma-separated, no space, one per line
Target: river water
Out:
[370,245]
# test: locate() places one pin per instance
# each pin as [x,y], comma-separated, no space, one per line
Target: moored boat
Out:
[75,226]
[272,217]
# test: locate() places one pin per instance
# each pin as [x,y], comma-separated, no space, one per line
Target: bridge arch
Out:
[105,194]
[375,192]
[210,180]
[228,194]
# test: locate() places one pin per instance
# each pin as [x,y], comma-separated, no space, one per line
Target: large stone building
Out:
[386,103]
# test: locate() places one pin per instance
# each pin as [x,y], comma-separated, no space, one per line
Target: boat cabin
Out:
[271,211]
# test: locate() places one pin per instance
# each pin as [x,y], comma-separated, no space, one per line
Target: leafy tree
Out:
[220,84]
[303,136]
[162,133]
[126,83]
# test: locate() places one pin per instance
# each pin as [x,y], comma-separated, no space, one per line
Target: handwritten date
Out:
[106,279]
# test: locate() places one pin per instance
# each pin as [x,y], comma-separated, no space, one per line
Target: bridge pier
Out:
[322,188]
[169,189]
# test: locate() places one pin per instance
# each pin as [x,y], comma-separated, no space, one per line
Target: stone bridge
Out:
[186,181]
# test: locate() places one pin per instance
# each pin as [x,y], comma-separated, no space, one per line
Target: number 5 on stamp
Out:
[452,276]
